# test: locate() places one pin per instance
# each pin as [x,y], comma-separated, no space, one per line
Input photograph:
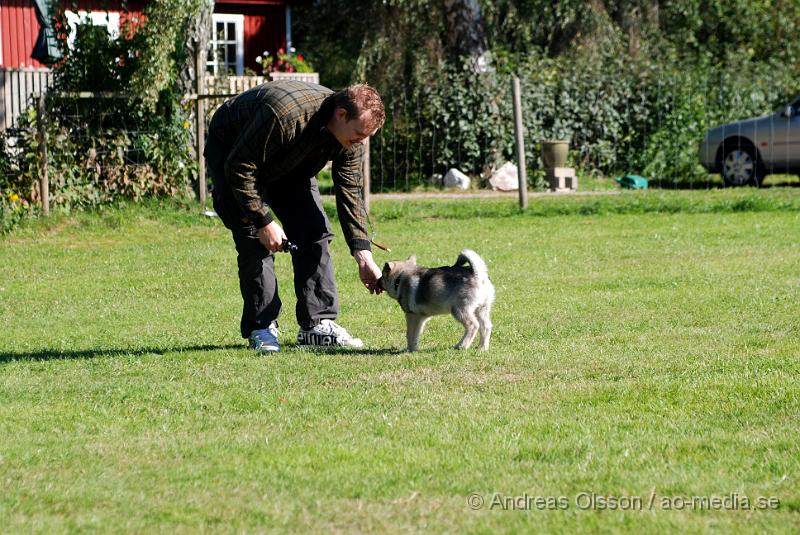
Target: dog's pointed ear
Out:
[412,259]
[387,268]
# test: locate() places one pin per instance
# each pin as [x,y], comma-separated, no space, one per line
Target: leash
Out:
[370,225]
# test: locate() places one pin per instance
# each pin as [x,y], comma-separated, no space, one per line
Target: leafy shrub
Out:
[13,209]
[632,85]
[132,142]
[620,114]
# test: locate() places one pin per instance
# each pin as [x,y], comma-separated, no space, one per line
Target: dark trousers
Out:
[296,202]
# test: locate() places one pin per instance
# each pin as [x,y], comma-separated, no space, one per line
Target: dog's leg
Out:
[485,322]
[467,318]
[414,326]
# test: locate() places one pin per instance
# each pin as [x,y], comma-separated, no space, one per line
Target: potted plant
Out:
[554,153]
[287,64]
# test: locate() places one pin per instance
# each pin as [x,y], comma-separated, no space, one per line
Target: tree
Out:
[196,38]
[466,32]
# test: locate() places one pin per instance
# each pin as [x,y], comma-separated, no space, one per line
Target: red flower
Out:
[280,51]
[301,58]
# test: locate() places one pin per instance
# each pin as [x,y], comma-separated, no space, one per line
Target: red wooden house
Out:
[242,29]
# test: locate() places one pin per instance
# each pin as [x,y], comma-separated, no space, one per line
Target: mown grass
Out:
[625,203]
[645,344]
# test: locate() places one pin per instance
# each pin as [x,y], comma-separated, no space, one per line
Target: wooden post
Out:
[200,117]
[44,181]
[366,175]
[522,172]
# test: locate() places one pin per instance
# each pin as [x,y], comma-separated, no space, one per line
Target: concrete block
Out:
[562,179]
[572,182]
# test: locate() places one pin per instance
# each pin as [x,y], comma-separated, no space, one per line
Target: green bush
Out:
[132,142]
[13,209]
[620,114]
[632,85]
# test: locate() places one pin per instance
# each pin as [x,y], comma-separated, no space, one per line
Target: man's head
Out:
[358,113]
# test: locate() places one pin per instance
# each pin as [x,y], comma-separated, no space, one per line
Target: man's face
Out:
[352,132]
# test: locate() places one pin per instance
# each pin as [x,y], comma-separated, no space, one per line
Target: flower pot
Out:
[554,153]
[312,77]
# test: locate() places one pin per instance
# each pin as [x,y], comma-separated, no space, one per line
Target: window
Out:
[226,53]
[95,18]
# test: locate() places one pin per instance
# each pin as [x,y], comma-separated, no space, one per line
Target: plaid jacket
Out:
[276,131]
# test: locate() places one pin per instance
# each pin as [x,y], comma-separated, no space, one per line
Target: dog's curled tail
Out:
[477,263]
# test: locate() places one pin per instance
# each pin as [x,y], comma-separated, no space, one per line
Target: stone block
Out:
[562,179]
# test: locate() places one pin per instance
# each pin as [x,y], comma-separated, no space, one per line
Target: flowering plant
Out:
[12,209]
[283,61]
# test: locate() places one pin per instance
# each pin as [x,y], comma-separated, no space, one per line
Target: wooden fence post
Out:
[522,172]
[44,181]
[367,178]
[200,117]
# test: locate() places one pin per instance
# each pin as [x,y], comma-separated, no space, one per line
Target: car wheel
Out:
[741,166]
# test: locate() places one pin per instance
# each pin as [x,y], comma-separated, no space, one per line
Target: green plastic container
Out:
[632,182]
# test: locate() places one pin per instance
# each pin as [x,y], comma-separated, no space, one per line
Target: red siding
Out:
[264,26]
[5,43]
[20,28]
[264,29]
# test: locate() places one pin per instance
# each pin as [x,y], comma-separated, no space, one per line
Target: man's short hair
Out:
[358,98]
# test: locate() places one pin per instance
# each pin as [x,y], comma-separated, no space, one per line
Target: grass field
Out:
[646,349]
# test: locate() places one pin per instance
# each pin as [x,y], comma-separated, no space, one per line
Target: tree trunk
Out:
[198,35]
[466,33]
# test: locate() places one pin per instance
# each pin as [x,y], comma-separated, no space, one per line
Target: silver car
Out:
[745,151]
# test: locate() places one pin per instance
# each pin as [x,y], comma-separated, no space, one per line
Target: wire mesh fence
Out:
[654,127]
[99,152]
[86,152]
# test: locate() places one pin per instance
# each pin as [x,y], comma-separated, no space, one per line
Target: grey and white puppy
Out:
[465,292]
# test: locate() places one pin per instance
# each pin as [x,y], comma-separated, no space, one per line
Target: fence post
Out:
[44,181]
[200,117]
[522,172]
[366,175]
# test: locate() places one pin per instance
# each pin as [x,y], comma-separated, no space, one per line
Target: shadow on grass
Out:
[56,354]
[657,183]
[715,184]
[343,351]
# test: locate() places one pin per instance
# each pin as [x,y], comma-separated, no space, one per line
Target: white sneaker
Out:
[265,340]
[327,334]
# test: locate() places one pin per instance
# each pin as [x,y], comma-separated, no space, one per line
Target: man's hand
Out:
[272,237]
[368,271]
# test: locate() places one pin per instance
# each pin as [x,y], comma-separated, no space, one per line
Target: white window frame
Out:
[238,20]
[108,19]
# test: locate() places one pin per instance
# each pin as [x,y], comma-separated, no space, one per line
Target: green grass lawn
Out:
[646,345]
